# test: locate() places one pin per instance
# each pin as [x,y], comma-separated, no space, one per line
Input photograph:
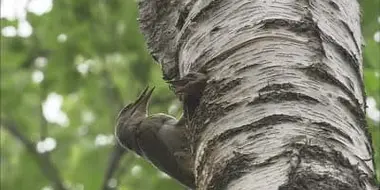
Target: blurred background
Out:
[69,66]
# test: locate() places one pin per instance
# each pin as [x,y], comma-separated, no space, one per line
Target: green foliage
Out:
[93,55]
[103,37]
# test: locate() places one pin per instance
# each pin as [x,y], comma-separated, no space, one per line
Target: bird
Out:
[189,88]
[159,138]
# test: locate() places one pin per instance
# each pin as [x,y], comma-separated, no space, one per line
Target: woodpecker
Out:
[191,84]
[159,138]
[190,89]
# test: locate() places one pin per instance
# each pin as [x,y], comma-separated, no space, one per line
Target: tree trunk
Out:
[284,105]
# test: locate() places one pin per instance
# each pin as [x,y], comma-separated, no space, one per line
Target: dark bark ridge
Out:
[284,106]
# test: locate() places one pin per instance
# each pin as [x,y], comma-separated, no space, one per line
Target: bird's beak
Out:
[142,102]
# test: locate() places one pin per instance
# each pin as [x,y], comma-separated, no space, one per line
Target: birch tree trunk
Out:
[284,105]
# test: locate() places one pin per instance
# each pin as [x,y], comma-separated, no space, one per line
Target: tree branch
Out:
[129,158]
[46,165]
[114,96]
[44,125]
[113,163]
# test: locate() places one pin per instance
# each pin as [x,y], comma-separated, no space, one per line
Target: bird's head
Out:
[191,84]
[133,113]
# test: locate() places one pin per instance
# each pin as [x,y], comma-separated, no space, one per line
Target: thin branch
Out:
[129,158]
[113,164]
[114,96]
[44,125]
[46,165]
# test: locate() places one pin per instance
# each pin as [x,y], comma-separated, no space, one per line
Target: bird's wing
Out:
[155,148]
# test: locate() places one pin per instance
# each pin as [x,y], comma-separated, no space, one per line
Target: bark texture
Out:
[284,104]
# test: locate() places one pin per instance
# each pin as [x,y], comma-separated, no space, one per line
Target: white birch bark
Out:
[284,104]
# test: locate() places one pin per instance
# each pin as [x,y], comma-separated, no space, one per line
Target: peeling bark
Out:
[284,106]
